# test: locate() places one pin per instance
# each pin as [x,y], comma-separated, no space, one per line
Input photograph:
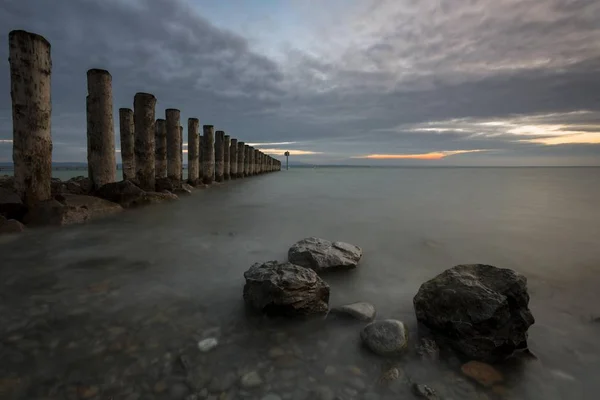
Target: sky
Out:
[361,82]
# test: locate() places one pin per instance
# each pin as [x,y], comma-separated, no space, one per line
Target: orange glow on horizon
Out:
[437,155]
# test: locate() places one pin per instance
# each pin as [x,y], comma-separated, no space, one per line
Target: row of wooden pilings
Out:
[151,148]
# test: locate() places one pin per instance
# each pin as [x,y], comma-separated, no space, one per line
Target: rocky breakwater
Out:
[282,288]
[128,194]
[478,310]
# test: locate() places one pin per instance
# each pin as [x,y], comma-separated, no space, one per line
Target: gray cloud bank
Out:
[403,70]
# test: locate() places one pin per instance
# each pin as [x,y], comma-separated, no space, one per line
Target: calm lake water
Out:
[116,307]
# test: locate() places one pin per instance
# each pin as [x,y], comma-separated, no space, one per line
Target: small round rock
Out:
[386,337]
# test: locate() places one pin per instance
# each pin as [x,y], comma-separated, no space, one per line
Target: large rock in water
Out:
[322,255]
[54,213]
[10,226]
[96,206]
[479,310]
[285,289]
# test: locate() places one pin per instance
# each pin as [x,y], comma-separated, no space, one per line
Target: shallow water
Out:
[115,308]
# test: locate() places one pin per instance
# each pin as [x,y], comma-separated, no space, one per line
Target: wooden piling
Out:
[30,70]
[127,142]
[200,159]
[173,145]
[226,156]
[102,165]
[241,156]
[144,121]
[193,150]
[160,149]
[219,154]
[246,160]
[233,159]
[208,154]
[181,152]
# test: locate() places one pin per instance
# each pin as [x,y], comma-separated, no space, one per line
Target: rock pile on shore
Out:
[74,201]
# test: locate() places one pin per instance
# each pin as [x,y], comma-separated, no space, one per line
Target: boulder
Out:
[322,255]
[11,205]
[53,212]
[8,226]
[7,182]
[478,310]
[278,288]
[157,198]
[387,337]
[83,184]
[96,206]
[183,189]
[362,311]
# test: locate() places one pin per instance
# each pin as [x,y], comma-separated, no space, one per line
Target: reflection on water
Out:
[115,308]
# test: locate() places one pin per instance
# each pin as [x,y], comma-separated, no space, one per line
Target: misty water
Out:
[114,309]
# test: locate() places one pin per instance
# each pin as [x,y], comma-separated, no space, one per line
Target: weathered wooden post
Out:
[127,142]
[246,160]
[193,149]
[161,149]
[240,159]
[251,165]
[181,153]
[173,146]
[30,69]
[208,154]
[261,166]
[233,159]
[226,156]
[144,121]
[219,153]
[256,157]
[102,166]
[200,159]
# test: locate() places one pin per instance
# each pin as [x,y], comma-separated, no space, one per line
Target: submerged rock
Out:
[8,226]
[96,206]
[251,380]
[128,195]
[386,337]
[163,184]
[183,189]
[323,255]
[424,392]
[53,212]
[479,310]
[361,310]
[207,344]
[285,289]
[482,373]
[11,205]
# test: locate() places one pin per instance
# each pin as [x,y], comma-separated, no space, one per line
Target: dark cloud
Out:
[400,66]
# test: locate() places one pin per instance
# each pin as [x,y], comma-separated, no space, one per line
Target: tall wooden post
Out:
[144,120]
[193,150]
[127,142]
[233,159]
[161,149]
[226,156]
[102,165]
[241,156]
[208,154]
[173,146]
[246,160]
[219,154]
[30,69]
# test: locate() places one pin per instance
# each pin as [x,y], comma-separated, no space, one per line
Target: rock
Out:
[323,393]
[330,370]
[322,255]
[428,350]
[8,226]
[424,391]
[83,182]
[183,189]
[482,373]
[54,213]
[390,375]
[11,205]
[251,380]
[163,184]
[285,289]
[7,182]
[479,310]
[96,206]
[207,344]
[128,195]
[362,311]
[271,396]
[386,337]
[222,383]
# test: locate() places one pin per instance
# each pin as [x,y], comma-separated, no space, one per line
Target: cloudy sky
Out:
[452,82]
